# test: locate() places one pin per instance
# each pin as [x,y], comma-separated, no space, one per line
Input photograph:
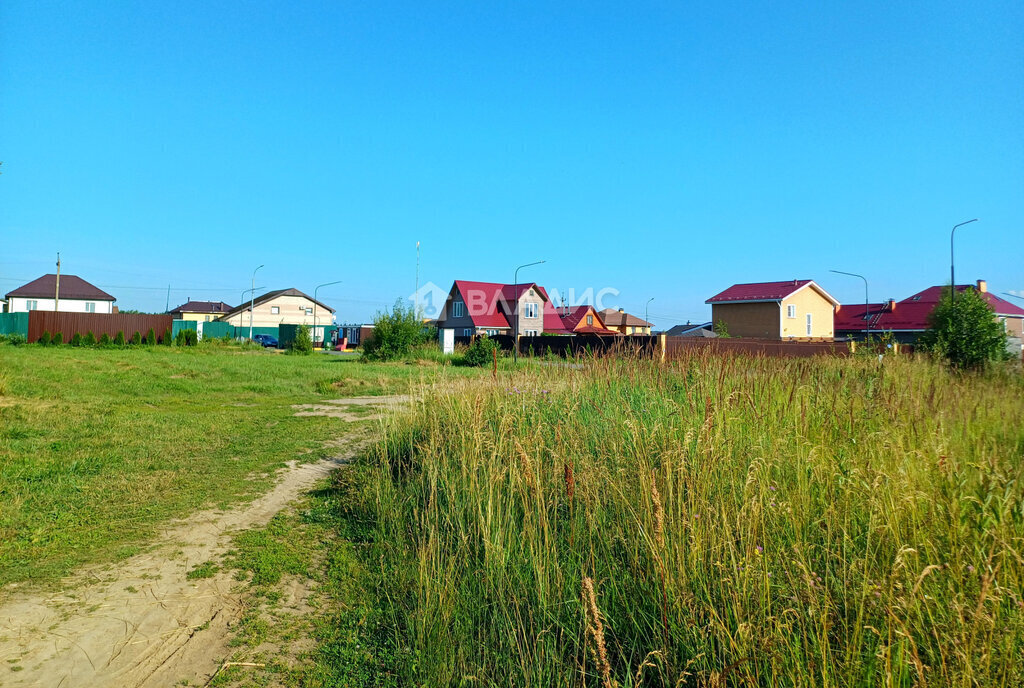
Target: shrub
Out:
[481,351]
[119,339]
[303,342]
[136,339]
[104,339]
[167,340]
[151,337]
[89,339]
[44,338]
[965,332]
[76,339]
[16,339]
[395,334]
[186,338]
[58,339]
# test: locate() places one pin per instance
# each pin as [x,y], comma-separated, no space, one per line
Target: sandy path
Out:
[142,623]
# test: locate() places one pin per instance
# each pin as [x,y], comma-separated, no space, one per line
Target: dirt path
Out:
[142,623]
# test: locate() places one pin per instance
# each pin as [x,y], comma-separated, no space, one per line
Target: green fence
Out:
[14,323]
[218,330]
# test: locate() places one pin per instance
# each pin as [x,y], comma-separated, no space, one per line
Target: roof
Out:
[614,318]
[487,302]
[759,292]
[71,287]
[692,330]
[910,314]
[202,307]
[270,296]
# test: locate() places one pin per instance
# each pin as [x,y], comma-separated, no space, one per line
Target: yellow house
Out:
[623,322]
[200,311]
[282,307]
[793,310]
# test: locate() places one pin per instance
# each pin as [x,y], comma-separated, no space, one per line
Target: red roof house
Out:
[790,309]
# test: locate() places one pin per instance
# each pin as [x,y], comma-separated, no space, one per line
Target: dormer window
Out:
[458,309]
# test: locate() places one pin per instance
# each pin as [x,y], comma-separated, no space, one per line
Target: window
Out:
[492,333]
[31,305]
[810,325]
[468,332]
[531,310]
[309,311]
[590,320]
[531,333]
[90,306]
[790,311]
[274,310]
[458,309]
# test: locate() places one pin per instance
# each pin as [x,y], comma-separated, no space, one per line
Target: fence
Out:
[70,324]
[583,344]
[219,330]
[677,346]
[14,323]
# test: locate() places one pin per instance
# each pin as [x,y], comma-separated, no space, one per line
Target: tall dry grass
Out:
[715,521]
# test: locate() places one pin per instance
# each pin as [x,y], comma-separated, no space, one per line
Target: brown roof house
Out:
[789,310]
[623,322]
[200,311]
[69,294]
[281,307]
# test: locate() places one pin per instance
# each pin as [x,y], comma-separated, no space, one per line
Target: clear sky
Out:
[662,149]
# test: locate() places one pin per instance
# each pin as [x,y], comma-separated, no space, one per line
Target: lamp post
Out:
[645,314]
[952,274]
[515,295]
[854,274]
[325,284]
[252,300]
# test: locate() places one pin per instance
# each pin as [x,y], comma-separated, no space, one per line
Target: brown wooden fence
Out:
[69,324]
[678,346]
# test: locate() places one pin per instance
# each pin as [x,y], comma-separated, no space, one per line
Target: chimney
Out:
[622,310]
[982,286]
[892,305]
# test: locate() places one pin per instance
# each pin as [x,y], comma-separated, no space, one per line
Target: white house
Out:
[282,307]
[75,295]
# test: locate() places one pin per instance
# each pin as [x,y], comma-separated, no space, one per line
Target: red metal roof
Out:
[488,303]
[759,291]
[911,313]
[71,287]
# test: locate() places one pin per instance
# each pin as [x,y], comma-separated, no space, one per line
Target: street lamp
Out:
[326,284]
[252,300]
[515,295]
[854,274]
[952,275]
[645,314]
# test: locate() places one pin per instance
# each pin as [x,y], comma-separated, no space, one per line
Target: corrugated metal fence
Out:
[680,346]
[14,323]
[69,324]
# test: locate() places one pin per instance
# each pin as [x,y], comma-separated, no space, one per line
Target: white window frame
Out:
[458,309]
[531,310]
[810,324]
[309,311]
[31,304]
[275,310]
[790,311]
[590,319]
[90,306]
[531,333]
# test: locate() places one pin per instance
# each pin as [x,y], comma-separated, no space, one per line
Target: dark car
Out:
[265,340]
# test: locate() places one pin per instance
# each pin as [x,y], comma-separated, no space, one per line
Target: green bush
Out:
[303,342]
[104,339]
[186,338]
[151,337]
[76,339]
[44,338]
[965,332]
[395,334]
[119,339]
[481,351]
[136,339]
[89,339]
[16,339]
[58,339]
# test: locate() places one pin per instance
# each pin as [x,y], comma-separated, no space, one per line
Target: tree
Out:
[965,331]
[303,342]
[119,339]
[150,337]
[481,351]
[395,334]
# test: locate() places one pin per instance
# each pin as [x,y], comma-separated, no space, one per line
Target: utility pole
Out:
[952,275]
[327,284]
[416,294]
[252,300]
[867,316]
[167,306]
[515,309]
[56,294]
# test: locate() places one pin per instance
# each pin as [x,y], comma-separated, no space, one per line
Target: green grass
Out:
[810,522]
[98,446]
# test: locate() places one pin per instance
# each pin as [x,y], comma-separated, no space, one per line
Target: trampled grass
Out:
[99,446]
[712,522]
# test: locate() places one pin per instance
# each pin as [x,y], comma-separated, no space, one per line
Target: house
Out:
[491,308]
[581,319]
[705,330]
[74,295]
[623,322]
[908,319]
[281,307]
[203,311]
[794,309]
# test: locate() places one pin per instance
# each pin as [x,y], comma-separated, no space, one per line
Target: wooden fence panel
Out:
[69,324]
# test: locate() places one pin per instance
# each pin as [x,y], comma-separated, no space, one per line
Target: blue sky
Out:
[661,149]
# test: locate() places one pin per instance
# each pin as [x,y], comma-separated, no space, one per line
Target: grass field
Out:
[717,521]
[100,446]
